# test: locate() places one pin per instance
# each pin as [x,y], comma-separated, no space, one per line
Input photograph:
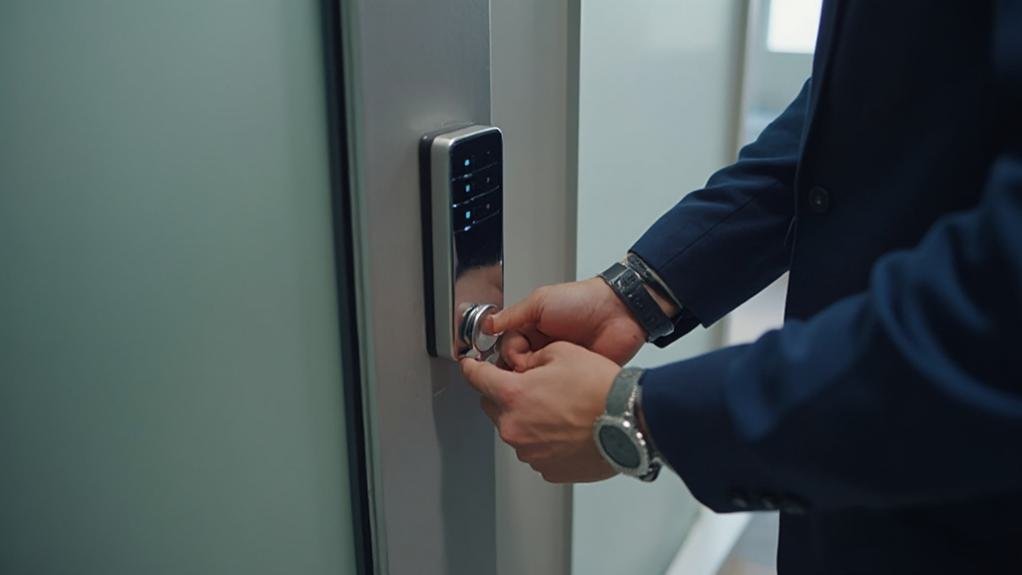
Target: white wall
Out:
[657,115]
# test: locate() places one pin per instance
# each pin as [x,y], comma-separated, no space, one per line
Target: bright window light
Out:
[792,25]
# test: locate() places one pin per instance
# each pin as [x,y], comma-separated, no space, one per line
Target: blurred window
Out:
[793,25]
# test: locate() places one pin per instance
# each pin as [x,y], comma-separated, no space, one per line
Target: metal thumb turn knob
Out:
[472,329]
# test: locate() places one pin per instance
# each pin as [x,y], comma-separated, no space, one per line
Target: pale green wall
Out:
[170,389]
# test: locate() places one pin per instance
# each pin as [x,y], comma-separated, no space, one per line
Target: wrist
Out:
[611,299]
[634,292]
[669,308]
[666,305]
[618,434]
[658,290]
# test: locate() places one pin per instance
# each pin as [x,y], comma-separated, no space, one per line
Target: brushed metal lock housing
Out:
[461,174]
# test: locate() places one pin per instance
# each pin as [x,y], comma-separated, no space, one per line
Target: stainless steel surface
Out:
[468,261]
[416,67]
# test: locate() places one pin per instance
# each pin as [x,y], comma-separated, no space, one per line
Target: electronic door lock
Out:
[461,174]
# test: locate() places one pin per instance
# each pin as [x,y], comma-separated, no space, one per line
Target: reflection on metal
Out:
[462,216]
[481,344]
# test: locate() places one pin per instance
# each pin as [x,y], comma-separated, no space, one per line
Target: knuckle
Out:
[552,474]
[488,408]
[561,346]
[509,434]
[509,344]
[540,296]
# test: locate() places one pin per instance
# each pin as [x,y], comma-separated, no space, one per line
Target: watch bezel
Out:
[630,428]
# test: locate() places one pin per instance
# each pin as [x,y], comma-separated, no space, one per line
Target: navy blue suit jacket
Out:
[884,419]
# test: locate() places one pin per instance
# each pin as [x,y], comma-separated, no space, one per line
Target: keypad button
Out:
[464,188]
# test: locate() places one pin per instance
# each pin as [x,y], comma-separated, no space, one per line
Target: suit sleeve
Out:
[754,197]
[909,393]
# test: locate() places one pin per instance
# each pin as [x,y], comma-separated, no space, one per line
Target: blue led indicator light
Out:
[468,215]
[468,163]
[468,187]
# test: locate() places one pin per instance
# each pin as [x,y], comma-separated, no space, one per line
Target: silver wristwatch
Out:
[617,432]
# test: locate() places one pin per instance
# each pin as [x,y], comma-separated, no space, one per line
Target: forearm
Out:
[734,230]
[904,394]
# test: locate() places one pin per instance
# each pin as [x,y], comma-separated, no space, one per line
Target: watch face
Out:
[619,447]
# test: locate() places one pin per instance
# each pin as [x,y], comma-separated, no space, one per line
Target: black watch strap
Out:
[635,262]
[684,322]
[631,290]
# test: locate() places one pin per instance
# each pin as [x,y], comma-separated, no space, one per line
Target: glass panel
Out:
[171,396]
[793,25]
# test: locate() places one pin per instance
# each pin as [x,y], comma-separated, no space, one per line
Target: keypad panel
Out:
[477,201]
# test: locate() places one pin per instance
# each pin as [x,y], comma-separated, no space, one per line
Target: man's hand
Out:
[547,412]
[587,313]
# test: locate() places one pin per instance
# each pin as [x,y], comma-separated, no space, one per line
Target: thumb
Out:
[524,313]
[491,381]
[556,351]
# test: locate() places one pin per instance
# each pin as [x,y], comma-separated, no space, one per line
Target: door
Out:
[173,370]
[189,315]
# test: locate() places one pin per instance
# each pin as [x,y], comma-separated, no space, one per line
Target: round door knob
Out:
[472,333]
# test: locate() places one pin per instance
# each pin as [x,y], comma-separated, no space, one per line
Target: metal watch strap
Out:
[631,290]
[621,403]
[619,399]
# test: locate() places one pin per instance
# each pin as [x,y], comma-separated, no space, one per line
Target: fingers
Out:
[524,313]
[492,382]
[517,346]
[522,351]
[548,354]
[515,350]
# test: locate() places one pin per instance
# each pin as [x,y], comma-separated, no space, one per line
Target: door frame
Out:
[342,206]
[446,497]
